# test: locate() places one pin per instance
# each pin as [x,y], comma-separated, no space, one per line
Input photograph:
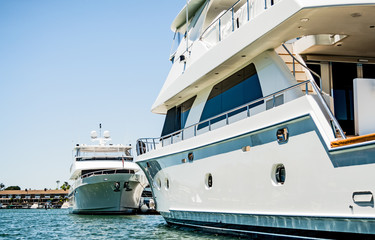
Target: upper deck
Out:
[217,47]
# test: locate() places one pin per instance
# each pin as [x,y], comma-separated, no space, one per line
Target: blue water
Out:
[59,224]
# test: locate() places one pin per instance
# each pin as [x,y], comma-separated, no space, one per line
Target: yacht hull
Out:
[107,194]
[326,191]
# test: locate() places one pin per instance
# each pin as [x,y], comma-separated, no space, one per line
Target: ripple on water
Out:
[59,224]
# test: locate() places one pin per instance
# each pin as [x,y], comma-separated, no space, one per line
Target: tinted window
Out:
[238,89]
[343,75]
[368,70]
[176,117]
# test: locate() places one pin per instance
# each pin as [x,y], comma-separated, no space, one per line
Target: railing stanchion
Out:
[182,135]
[232,19]
[209,125]
[137,148]
[219,30]
[265,4]
[226,119]
[307,89]
[248,10]
[294,68]
[273,101]
[153,140]
[195,130]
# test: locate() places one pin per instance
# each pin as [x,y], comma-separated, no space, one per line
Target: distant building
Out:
[22,198]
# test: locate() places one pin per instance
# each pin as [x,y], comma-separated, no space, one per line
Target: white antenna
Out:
[187,28]
[100,130]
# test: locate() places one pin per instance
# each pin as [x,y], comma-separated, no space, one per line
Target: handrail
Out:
[336,125]
[201,36]
[189,46]
[219,18]
[238,108]
[106,171]
[147,144]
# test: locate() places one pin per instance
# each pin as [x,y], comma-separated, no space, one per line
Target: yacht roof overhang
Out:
[280,23]
[180,19]
[216,7]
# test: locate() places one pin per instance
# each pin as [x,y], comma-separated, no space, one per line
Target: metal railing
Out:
[148,144]
[107,172]
[219,21]
[334,123]
[231,9]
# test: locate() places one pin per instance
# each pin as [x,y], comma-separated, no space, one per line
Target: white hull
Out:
[318,192]
[219,160]
[98,194]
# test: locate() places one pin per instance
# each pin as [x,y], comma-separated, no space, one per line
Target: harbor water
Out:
[59,224]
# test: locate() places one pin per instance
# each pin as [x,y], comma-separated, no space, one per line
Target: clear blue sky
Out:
[65,67]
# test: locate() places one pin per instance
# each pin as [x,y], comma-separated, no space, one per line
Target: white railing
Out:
[148,144]
[230,20]
[107,172]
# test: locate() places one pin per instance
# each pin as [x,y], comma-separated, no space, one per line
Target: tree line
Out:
[65,186]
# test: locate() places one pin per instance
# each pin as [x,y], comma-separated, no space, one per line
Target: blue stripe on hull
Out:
[315,227]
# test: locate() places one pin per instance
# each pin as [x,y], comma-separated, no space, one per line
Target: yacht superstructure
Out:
[268,126]
[106,180]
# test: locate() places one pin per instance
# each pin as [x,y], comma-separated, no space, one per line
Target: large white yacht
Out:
[106,180]
[269,124]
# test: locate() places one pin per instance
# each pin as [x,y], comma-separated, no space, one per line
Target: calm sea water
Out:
[59,224]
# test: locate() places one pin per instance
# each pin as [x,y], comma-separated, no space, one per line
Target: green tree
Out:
[13,188]
[65,186]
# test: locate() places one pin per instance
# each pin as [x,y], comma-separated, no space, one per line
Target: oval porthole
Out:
[279,174]
[166,184]
[282,135]
[208,180]
[191,157]
[158,184]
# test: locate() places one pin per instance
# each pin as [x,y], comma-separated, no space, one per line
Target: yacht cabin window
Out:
[240,88]
[177,116]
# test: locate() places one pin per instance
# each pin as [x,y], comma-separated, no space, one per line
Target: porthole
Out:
[209,180]
[279,174]
[191,157]
[157,183]
[166,184]
[282,135]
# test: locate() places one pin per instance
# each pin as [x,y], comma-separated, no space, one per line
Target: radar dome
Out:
[94,134]
[106,134]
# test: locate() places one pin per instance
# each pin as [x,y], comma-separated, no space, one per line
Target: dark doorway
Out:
[368,70]
[343,75]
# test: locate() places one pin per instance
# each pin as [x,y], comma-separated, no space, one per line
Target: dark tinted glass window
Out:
[176,117]
[368,70]
[238,89]
[343,75]
[316,68]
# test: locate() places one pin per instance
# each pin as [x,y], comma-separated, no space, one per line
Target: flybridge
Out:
[211,23]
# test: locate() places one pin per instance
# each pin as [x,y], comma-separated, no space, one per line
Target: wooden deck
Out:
[353,140]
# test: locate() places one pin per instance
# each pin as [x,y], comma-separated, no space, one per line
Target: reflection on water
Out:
[59,224]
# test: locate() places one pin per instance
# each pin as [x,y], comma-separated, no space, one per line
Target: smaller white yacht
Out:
[106,180]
